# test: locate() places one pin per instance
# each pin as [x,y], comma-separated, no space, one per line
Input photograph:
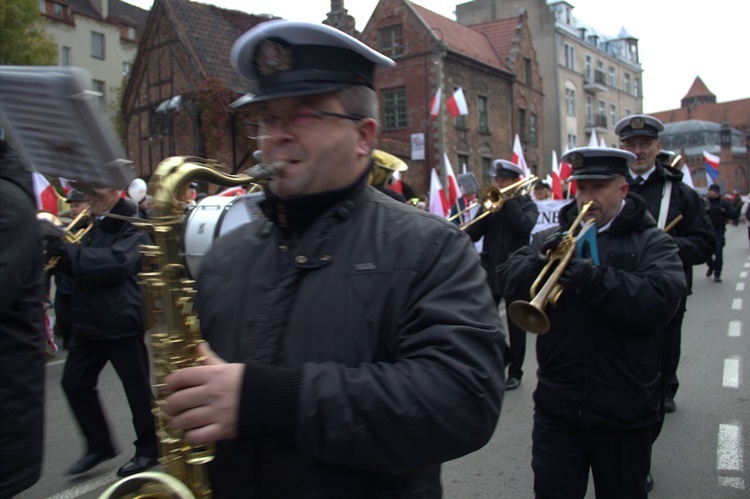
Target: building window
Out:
[613,115]
[527,70]
[66,57]
[126,67]
[532,129]
[572,141]
[570,56]
[129,33]
[100,87]
[486,165]
[637,87]
[601,115]
[628,112]
[483,114]
[570,101]
[394,109]
[391,41]
[588,71]
[522,124]
[97,45]
[589,110]
[463,160]
[626,83]
[612,77]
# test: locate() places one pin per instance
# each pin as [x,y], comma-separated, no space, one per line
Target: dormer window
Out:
[129,33]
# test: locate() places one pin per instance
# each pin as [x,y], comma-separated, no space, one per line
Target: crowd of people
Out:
[353,343]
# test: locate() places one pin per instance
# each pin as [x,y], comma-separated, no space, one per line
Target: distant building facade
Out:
[720,128]
[100,36]
[433,52]
[590,80]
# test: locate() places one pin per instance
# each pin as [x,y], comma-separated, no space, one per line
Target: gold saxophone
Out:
[175,334]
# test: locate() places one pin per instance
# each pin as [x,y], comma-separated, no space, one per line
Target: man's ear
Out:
[366,130]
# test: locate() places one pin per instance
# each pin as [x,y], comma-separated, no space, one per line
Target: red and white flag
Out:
[556,181]
[457,104]
[66,185]
[517,157]
[566,170]
[46,198]
[454,192]
[233,191]
[397,185]
[438,204]
[687,176]
[593,141]
[435,104]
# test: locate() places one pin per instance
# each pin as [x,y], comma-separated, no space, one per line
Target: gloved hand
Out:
[55,247]
[583,275]
[552,241]
[512,208]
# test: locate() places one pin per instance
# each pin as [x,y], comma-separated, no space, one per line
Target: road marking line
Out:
[737,304]
[86,487]
[733,482]
[731,378]
[743,274]
[740,286]
[747,265]
[735,329]
[729,450]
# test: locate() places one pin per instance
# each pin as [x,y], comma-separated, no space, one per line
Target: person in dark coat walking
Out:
[357,346]
[505,231]
[22,334]
[599,365]
[719,211]
[107,318]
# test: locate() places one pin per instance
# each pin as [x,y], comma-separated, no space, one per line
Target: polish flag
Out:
[517,157]
[687,176]
[454,192]
[556,182]
[594,141]
[438,204]
[711,162]
[66,185]
[233,191]
[435,104]
[46,198]
[457,104]
[396,184]
[565,171]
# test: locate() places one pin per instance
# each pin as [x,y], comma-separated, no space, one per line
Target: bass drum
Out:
[213,217]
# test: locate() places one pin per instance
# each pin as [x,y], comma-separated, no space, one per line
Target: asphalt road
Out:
[699,455]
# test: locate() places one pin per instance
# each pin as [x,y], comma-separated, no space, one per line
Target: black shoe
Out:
[136,465]
[669,405]
[709,272]
[649,482]
[717,278]
[89,461]
[512,383]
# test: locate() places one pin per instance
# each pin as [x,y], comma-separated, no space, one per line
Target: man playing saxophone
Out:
[599,364]
[356,343]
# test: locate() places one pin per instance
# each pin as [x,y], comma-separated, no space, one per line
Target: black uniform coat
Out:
[22,337]
[371,344]
[504,232]
[693,234]
[599,363]
[106,298]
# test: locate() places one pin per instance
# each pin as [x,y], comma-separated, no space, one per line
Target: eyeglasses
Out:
[631,144]
[300,118]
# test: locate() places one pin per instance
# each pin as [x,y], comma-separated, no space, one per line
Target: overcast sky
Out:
[678,40]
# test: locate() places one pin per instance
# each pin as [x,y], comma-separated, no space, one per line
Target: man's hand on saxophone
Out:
[204,400]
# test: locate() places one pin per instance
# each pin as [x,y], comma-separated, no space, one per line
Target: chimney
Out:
[102,7]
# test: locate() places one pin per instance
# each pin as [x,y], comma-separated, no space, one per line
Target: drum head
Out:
[213,217]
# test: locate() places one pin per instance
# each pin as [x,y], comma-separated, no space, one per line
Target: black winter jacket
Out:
[599,363]
[504,232]
[106,301]
[371,346]
[693,235]
[22,336]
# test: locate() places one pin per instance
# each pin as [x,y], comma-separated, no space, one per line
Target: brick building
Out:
[434,52]
[184,52]
[720,128]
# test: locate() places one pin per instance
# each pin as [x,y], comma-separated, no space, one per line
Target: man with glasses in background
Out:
[357,346]
[677,208]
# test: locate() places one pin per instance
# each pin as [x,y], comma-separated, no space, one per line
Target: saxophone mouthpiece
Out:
[264,171]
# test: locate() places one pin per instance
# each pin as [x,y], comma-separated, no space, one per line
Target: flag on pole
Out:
[44,192]
[457,104]
[438,204]
[556,181]
[517,157]
[566,170]
[454,192]
[396,184]
[435,104]
[602,142]
[687,177]
[594,141]
[711,162]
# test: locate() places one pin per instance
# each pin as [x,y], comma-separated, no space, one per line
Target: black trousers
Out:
[129,357]
[716,261]
[562,455]
[516,352]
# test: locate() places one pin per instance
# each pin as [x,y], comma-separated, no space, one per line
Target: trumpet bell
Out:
[529,317]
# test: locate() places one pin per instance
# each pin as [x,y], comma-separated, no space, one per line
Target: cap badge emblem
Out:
[576,160]
[272,57]
[637,123]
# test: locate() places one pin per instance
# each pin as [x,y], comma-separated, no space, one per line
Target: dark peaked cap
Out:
[292,59]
